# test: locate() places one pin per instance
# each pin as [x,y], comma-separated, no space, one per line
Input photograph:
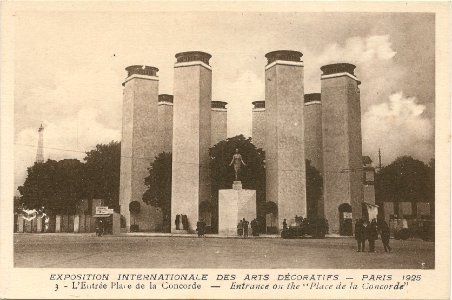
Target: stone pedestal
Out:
[237,185]
[234,205]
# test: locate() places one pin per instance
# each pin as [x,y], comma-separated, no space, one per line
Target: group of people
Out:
[181,222]
[369,231]
[242,228]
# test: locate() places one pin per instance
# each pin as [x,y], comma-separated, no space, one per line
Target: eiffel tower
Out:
[40,152]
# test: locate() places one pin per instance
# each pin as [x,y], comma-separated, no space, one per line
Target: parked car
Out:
[314,228]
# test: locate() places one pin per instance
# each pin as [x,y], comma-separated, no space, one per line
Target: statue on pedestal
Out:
[237,161]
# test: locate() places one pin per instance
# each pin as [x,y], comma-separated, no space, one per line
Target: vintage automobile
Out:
[314,228]
[404,229]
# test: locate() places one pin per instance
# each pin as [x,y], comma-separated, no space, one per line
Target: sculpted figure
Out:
[237,161]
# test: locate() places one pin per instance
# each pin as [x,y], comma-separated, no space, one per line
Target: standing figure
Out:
[360,235]
[240,228]
[284,224]
[245,228]
[237,161]
[372,235]
[255,227]
[385,236]
[100,228]
[184,222]
[201,228]
[177,222]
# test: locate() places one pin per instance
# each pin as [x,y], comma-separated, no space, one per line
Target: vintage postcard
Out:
[233,150]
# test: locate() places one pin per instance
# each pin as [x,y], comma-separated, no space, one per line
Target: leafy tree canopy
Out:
[102,172]
[58,185]
[55,185]
[406,180]
[252,175]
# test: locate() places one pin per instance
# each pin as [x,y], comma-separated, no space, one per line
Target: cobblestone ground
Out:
[89,251]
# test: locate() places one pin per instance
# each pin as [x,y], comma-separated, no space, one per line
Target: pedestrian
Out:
[372,235]
[240,228]
[255,227]
[245,228]
[100,228]
[360,235]
[200,228]
[284,224]
[384,229]
[177,222]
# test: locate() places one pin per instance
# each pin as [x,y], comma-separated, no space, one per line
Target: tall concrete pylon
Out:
[284,139]
[342,146]
[165,119]
[139,144]
[313,144]
[191,136]
[219,122]
[258,124]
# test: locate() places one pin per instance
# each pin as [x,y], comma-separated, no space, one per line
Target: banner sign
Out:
[103,210]
[348,215]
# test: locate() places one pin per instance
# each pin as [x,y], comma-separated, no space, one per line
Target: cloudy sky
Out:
[70,66]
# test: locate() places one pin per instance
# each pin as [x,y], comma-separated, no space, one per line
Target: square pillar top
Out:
[190,56]
[141,70]
[285,55]
[339,69]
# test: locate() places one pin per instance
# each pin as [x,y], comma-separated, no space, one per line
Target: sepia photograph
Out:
[225,139]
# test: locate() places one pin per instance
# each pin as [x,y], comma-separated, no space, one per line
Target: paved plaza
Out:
[132,251]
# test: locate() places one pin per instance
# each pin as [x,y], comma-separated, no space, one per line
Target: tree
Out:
[158,184]
[54,185]
[406,180]
[314,183]
[252,175]
[103,172]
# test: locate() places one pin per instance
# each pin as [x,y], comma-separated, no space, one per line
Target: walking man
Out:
[385,235]
[360,235]
[372,235]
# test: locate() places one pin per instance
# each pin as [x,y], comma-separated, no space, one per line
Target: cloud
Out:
[70,137]
[359,50]
[398,127]
[375,66]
